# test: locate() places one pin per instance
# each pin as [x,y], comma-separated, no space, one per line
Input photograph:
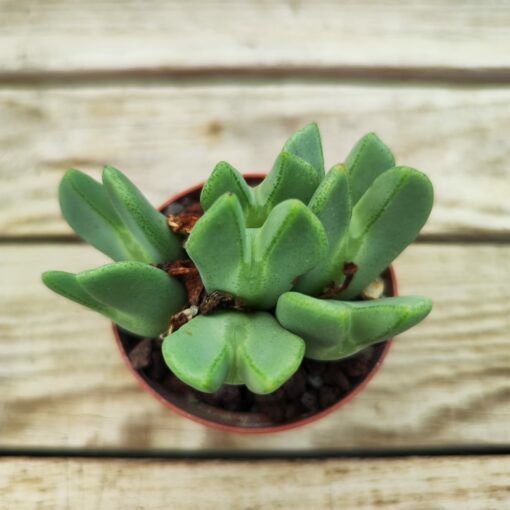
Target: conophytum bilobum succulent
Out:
[280,248]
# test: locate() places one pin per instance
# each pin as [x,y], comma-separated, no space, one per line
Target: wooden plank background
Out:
[167,137]
[74,35]
[163,90]
[386,484]
[446,382]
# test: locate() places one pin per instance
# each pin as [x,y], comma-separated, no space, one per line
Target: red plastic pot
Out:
[239,422]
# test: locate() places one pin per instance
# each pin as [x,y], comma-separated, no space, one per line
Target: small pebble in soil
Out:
[315,381]
[175,208]
[140,355]
[309,401]
[374,290]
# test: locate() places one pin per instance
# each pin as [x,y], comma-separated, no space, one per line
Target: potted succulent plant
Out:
[257,303]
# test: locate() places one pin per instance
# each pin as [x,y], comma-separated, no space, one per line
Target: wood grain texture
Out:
[168,137]
[78,35]
[470,483]
[445,383]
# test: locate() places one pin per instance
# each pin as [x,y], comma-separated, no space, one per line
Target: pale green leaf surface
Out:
[138,297]
[88,210]
[67,285]
[331,203]
[147,225]
[256,265]
[306,143]
[290,177]
[219,245]
[368,159]
[336,329]
[296,173]
[233,348]
[290,243]
[386,220]
[143,293]
[226,179]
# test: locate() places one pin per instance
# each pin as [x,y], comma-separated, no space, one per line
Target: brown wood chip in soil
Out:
[186,271]
[184,222]
[218,299]
[349,270]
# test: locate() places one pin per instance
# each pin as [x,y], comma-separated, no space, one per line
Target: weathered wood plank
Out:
[450,483]
[151,34]
[167,137]
[446,382]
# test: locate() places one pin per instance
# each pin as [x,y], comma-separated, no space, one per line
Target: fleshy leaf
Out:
[87,208]
[290,177]
[369,158]
[290,243]
[296,173]
[331,203]
[67,285]
[255,265]
[388,218]
[306,143]
[226,179]
[336,329]
[138,297]
[147,225]
[233,348]
[218,245]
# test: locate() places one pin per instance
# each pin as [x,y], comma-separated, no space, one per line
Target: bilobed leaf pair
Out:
[296,173]
[256,265]
[118,220]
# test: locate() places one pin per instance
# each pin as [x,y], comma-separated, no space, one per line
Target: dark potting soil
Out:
[315,386]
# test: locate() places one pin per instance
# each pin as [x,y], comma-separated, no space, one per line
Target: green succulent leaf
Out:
[88,210]
[388,218]
[369,158]
[116,218]
[296,173]
[219,244]
[290,177]
[226,179]
[331,203]
[291,242]
[147,225]
[138,297]
[306,144]
[233,348]
[256,265]
[336,329]
[67,285]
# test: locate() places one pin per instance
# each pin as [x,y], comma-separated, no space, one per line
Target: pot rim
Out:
[253,430]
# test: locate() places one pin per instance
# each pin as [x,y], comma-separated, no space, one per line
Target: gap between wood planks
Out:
[474,238]
[305,74]
[260,455]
